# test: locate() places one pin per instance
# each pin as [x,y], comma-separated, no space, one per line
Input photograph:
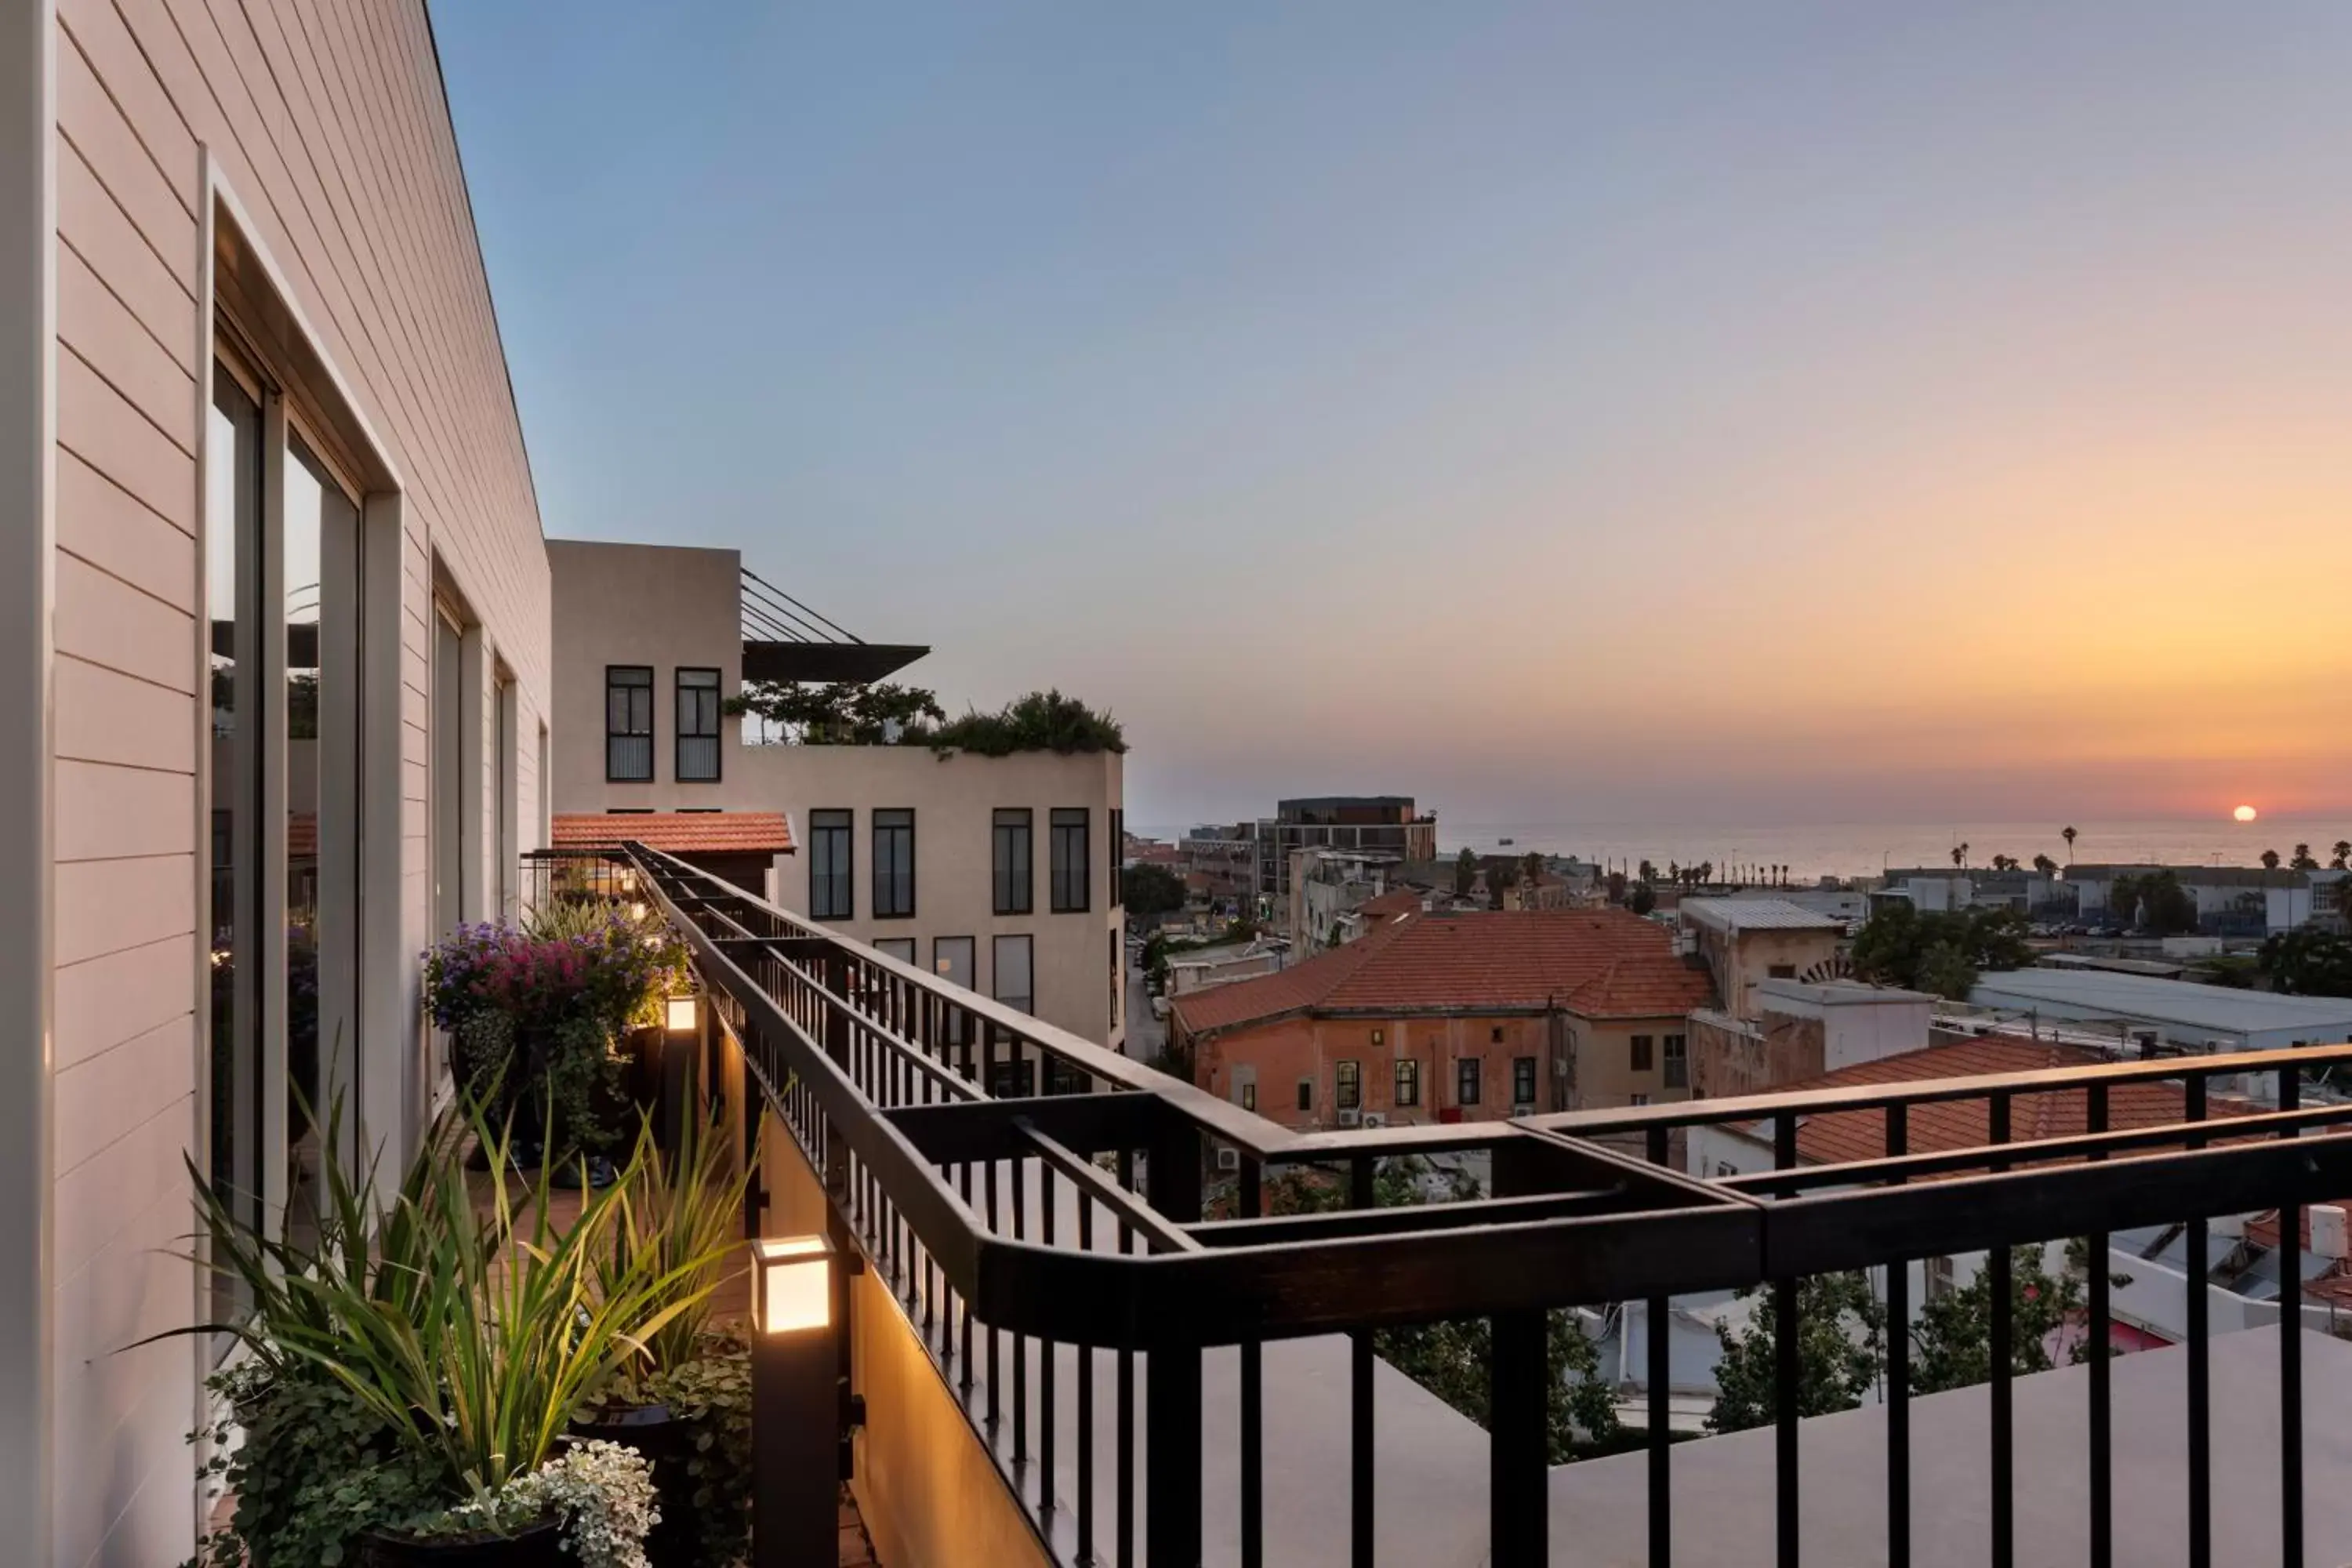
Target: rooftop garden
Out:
[885,713]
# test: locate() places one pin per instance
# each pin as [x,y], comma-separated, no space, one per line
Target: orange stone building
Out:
[1454,1018]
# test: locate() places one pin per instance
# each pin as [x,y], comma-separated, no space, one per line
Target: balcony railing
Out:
[1027,1240]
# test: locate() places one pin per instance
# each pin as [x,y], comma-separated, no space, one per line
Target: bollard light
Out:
[679,1013]
[796,1403]
[792,1284]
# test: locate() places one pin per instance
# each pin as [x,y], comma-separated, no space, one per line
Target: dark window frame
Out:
[1013,873]
[1642,1051]
[1523,1076]
[678,689]
[1069,859]
[885,872]
[629,733]
[1405,1084]
[1675,1060]
[1306,1096]
[1347,1084]
[842,878]
[1469,1081]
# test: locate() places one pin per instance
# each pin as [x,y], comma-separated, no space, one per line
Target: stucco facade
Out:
[250,343]
[665,608]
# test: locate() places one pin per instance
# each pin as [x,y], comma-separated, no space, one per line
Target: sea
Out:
[1864,849]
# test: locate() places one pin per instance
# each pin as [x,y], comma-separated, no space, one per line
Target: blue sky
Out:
[1732,411]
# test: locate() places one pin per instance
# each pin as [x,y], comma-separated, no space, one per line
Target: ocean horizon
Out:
[1863,850]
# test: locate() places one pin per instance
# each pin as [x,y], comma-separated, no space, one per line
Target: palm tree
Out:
[2303,859]
[2068,835]
[2044,865]
[2270,859]
[1960,856]
[2343,854]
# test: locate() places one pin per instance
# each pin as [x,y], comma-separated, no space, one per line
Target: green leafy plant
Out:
[1840,1341]
[711,1393]
[678,1222]
[1041,721]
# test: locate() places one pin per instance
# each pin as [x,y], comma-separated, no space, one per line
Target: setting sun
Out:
[2245,814]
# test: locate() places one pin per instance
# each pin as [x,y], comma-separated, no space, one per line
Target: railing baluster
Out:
[1898,1373]
[2290,1254]
[1787,1376]
[1362,1195]
[1172,1404]
[1126,1439]
[1086,1405]
[1658,1321]
[2200,1370]
[995,1335]
[2002,1357]
[1249,1203]
[1020,1340]
[1518,1425]
[1045,1363]
[2098,1266]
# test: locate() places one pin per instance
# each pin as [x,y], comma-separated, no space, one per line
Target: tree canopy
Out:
[1941,951]
[1150,890]
[2307,963]
[884,712]
[2157,900]
[1840,1341]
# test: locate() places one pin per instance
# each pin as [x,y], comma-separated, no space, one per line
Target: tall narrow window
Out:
[1012,859]
[319,573]
[894,863]
[951,960]
[1523,1080]
[1642,1054]
[628,723]
[509,805]
[1466,1081]
[1349,1082]
[1016,982]
[1117,974]
[232,568]
[1678,1062]
[832,895]
[1407,1083]
[1118,857]
[697,726]
[1070,874]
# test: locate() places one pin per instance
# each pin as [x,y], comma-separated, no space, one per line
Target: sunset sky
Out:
[1735,413]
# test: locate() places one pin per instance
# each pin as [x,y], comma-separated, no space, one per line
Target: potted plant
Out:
[683,1401]
[413,1365]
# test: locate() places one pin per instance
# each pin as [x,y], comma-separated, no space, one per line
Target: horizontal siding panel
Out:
[121,1087]
[105,812]
[161,293]
[96,424]
[114,57]
[106,717]
[107,621]
[105,906]
[106,526]
[88,119]
[102,331]
[104,1000]
[97,1199]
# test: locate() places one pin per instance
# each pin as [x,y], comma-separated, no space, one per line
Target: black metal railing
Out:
[1027,1238]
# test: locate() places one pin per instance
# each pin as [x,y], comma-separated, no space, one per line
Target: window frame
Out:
[1066,881]
[1468,1080]
[1524,1070]
[1347,1084]
[678,689]
[1642,1053]
[886,876]
[1673,1060]
[1026,943]
[1306,1097]
[1404,1084]
[844,877]
[646,734]
[1007,824]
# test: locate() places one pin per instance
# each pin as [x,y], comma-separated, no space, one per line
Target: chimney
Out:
[2328,1237]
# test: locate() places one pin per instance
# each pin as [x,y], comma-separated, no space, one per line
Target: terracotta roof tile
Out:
[1839,1137]
[1595,962]
[1396,901]
[679,832]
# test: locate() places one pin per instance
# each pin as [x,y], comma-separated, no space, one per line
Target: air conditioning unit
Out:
[1519,1111]
[1349,1118]
[1228,1158]
[1375,1118]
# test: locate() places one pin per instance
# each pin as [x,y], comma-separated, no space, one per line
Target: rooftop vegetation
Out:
[885,713]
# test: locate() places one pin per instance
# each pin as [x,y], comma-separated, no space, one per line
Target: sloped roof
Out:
[678,832]
[1757,914]
[1837,1137]
[1601,964]
[1395,901]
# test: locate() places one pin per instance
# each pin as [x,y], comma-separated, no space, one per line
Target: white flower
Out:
[602,1492]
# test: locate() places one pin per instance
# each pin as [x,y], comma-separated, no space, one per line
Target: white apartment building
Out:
[277,680]
[1000,873]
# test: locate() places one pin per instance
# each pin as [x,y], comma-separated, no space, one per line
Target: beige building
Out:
[277,680]
[1748,941]
[1000,873]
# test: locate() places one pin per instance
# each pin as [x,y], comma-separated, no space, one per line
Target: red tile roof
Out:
[679,832]
[1599,963]
[1838,1137]
[1397,902]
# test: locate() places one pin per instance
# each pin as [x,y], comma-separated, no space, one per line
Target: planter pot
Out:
[534,1548]
[666,1445]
